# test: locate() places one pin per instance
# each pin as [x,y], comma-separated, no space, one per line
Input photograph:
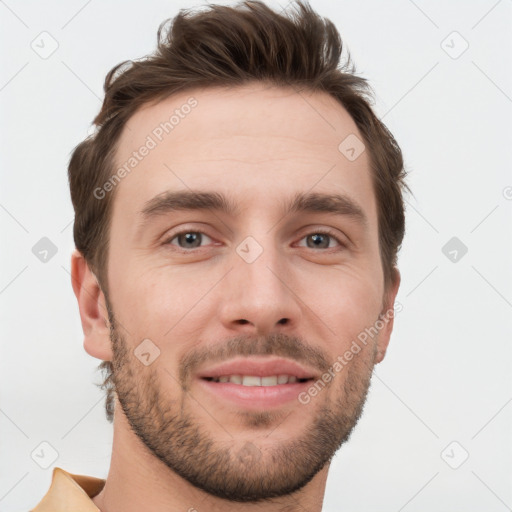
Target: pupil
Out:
[318,238]
[192,238]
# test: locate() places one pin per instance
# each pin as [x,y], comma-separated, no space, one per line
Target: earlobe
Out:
[92,307]
[387,317]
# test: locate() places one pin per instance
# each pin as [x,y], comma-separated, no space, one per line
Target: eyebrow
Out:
[188,200]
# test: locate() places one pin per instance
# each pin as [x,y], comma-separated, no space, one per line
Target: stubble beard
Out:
[234,470]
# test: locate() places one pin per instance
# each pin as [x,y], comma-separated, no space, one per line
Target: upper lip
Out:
[259,367]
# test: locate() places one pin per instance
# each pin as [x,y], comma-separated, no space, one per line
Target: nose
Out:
[258,297]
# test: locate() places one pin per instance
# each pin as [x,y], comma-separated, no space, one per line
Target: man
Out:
[238,214]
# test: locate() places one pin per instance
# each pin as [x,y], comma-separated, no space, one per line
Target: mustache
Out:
[276,344]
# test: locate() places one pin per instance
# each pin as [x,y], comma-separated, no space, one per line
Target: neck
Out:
[137,480]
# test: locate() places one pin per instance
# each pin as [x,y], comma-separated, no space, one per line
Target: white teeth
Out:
[253,380]
[250,380]
[269,381]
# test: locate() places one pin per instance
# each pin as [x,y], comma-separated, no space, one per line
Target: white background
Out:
[446,376]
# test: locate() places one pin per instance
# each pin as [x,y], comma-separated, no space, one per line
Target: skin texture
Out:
[176,445]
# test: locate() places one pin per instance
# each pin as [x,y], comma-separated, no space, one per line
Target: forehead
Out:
[256,141]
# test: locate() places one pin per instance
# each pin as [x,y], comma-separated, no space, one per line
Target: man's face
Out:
[263,291]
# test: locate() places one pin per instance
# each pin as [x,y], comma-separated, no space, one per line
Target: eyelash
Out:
[315,232]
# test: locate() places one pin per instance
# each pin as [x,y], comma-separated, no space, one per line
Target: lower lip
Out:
[255,397]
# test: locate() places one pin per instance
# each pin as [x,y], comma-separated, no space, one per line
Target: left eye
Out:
[320,240]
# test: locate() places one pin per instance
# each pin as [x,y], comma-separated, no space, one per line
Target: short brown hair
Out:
[231,46]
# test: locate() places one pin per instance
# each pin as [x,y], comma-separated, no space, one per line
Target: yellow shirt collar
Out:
[70,492]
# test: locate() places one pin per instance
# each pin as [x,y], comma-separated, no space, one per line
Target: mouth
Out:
[256,383]
[255,380]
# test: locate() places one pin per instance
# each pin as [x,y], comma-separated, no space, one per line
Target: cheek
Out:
[163,303]
[347,306]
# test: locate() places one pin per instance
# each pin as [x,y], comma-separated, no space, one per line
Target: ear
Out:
[92,306]
[387,316]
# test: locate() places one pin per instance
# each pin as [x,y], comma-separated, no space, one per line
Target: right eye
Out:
[187,239]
